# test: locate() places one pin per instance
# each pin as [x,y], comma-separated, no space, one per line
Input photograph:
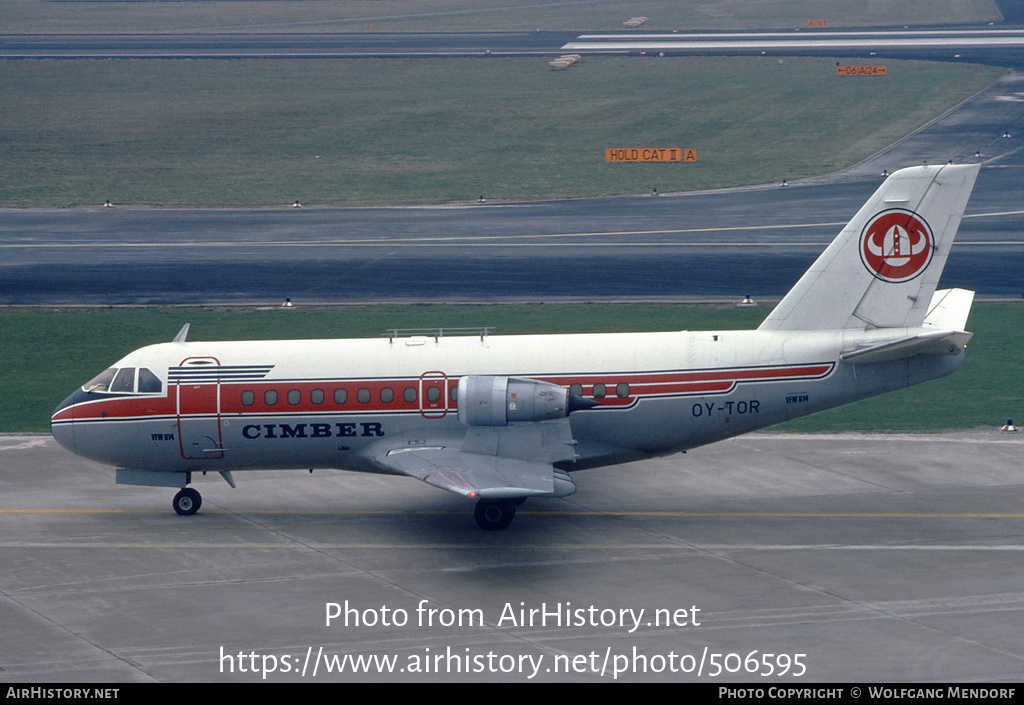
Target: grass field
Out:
[47,353]
[268,132]
[99,16]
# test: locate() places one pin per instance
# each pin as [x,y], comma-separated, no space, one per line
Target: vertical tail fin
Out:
[882,269]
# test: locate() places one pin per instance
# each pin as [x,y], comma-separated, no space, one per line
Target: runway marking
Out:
[425,243]
[556,512]
[422,240]
[74,511]
[798,515]
[506,240]
[647,547]
[413,244]
[813,40]
[469,242]
[24,444]
[871,33]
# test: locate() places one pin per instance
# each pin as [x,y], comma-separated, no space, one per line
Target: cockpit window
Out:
[101,382]
[124,381]
[149,383]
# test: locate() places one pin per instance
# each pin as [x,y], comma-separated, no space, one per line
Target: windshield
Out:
[123,381]
[101,382]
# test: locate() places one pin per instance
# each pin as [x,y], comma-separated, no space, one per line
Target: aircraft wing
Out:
[476,475]
[490,462]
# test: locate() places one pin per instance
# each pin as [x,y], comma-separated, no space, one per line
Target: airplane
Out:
[500,419]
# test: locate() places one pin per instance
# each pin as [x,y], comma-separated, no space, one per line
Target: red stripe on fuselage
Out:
[641,385]
[119,407]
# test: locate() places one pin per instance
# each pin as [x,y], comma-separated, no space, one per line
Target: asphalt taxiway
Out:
[989,44]
[853,558]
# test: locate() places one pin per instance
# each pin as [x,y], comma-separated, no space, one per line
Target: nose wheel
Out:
[494,514]
[187,502]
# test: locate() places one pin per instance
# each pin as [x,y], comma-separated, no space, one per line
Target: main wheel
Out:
[494,514]
[187,502]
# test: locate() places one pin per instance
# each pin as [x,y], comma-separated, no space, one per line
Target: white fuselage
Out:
[319,403]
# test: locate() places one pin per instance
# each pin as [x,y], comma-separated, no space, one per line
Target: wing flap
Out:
[476,474]
[495,462]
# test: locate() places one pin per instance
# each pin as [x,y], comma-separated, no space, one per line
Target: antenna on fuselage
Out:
[182,334]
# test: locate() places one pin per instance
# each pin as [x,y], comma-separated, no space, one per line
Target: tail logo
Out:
[896,246]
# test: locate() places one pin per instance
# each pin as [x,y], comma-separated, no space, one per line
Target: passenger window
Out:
[363,395]
[248,398]
[433,394]
[149,383]
[622,390]
[340,396]
[453,393]
[124,381]
[101,382]
[317,396]
[270,397]
[409,394]
[387,395]
[294,397]
[599,390]
[576,389]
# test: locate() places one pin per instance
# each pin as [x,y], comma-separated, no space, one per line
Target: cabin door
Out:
[434,394]
[198,391]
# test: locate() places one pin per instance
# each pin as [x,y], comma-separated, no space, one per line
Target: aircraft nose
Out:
[62,426]
[71,399]
[64,434]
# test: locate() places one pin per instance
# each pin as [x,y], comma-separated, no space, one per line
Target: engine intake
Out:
[499,401]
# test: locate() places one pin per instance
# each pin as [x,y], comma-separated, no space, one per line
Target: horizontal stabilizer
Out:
[945,342]
[947,317]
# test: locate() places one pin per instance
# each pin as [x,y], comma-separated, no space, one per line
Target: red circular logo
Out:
[896,245]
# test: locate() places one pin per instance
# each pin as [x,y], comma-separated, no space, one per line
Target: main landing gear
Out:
[495,514]
[187,502]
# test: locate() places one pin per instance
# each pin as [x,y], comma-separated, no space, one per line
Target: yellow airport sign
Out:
[646,154]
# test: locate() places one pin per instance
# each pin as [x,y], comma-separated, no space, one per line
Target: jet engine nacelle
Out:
[498,401]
